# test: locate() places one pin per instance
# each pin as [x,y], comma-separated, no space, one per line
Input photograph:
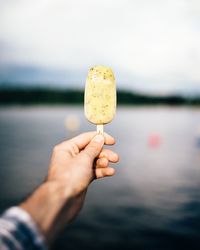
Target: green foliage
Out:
[40,96]
[51,96]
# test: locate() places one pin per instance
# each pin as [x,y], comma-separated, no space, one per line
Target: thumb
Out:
[95,146]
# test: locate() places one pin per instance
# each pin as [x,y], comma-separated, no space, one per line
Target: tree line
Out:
[70,96]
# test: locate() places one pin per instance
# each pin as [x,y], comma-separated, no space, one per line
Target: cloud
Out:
[150,44]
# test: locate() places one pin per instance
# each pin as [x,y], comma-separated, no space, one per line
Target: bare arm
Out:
[74,165]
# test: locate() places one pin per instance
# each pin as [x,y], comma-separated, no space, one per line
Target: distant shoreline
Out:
[34,96]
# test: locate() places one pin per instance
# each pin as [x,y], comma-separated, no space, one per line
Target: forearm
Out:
[45,206]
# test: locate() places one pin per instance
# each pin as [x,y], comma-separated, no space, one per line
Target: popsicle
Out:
[100,96]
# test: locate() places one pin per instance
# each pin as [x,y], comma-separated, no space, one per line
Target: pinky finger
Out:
[104,172]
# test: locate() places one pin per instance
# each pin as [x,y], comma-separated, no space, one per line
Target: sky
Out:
[152,45]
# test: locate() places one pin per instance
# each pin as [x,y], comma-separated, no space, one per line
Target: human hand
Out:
[74,164]
[77,162]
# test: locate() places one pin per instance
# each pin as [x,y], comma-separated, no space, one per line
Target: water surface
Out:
[153,202]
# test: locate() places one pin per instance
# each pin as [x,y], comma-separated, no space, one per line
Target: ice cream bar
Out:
[100,96]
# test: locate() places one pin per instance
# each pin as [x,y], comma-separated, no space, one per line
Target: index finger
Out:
[83,140]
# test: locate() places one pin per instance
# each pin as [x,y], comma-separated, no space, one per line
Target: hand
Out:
[74,164]
[78,161]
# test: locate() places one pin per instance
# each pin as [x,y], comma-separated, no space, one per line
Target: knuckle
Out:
[93,147]
[87,156]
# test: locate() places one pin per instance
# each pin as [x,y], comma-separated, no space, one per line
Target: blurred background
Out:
[46,49]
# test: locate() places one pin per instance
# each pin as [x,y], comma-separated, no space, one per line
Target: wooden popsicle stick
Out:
[100,129]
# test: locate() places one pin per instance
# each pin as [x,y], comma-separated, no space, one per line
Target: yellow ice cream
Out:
[100,95]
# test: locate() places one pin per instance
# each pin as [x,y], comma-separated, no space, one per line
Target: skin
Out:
[73,166]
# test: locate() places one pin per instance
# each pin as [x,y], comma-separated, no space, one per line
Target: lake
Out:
[153,201]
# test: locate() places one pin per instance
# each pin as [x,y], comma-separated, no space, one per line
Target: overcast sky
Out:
[151,44]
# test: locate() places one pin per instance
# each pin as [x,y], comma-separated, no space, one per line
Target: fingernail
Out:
[98,138]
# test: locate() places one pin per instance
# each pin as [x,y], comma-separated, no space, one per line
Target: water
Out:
[153,202]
